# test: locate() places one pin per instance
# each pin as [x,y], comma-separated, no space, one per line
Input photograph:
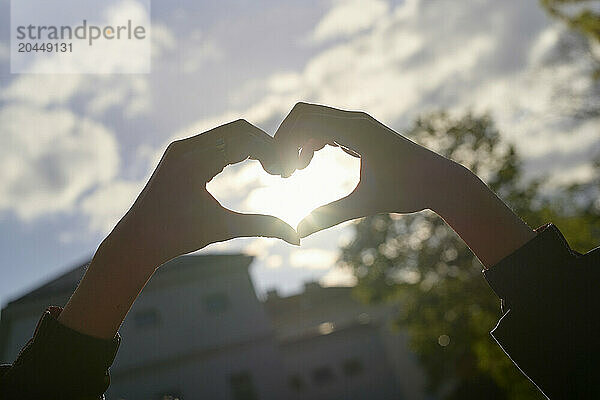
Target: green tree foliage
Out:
[580,15]
[446,307]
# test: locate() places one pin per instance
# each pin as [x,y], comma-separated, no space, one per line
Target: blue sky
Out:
[76,149]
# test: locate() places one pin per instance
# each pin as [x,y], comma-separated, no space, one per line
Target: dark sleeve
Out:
[550,306]
[59,363]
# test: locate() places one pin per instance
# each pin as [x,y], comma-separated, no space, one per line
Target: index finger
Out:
[235,142]
[348,129]
[248,141]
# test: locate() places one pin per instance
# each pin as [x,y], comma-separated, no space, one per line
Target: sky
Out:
[75,150]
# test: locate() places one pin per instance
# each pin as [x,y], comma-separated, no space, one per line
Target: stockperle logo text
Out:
[84,31]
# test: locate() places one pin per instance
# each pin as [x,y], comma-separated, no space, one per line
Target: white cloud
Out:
[42,90]
[236,182]
[313,258]
[99,92]
[106,99]
[395,64]
[285,82]
[348,17]
[163,40]
[338,276]
[49,158]
[202,50]
[488,56]
[132,94]
[503,57]
[205,124]
[108,203]
[4,52]
[274,261]
[258,247]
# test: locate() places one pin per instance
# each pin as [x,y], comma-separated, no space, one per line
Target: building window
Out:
[146,318]
[323,375]
[242,387]
[296,383]
[352,366]
[216,303]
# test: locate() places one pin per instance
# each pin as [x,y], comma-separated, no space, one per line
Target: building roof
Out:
[317,311]
[314,296]
[56,285]
[192,265]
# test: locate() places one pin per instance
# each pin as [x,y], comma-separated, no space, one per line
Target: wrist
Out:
[450,186]
[119,270]
[129,244]
[478,216]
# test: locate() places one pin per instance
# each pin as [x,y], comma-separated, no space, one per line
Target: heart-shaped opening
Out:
[247,188]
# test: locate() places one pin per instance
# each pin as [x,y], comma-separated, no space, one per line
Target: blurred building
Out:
[198,330]
[335,347]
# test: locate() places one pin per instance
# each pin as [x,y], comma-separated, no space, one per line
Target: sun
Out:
[332,174]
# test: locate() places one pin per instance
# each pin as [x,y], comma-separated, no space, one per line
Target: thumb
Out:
[331,214]
[250,225]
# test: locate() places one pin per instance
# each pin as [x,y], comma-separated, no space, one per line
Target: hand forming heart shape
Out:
[393,168]
[177,213]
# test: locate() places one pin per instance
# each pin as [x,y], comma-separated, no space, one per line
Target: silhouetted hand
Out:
[175,214]
[396,174]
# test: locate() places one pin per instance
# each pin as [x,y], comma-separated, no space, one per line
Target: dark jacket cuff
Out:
[517,276]
[59,362]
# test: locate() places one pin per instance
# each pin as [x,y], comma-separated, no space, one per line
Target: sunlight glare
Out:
[332,174]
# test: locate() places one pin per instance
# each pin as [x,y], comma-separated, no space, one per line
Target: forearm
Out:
[490,229]
[119,270]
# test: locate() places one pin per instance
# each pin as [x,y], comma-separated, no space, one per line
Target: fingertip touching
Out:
[282,230]
[307,226]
